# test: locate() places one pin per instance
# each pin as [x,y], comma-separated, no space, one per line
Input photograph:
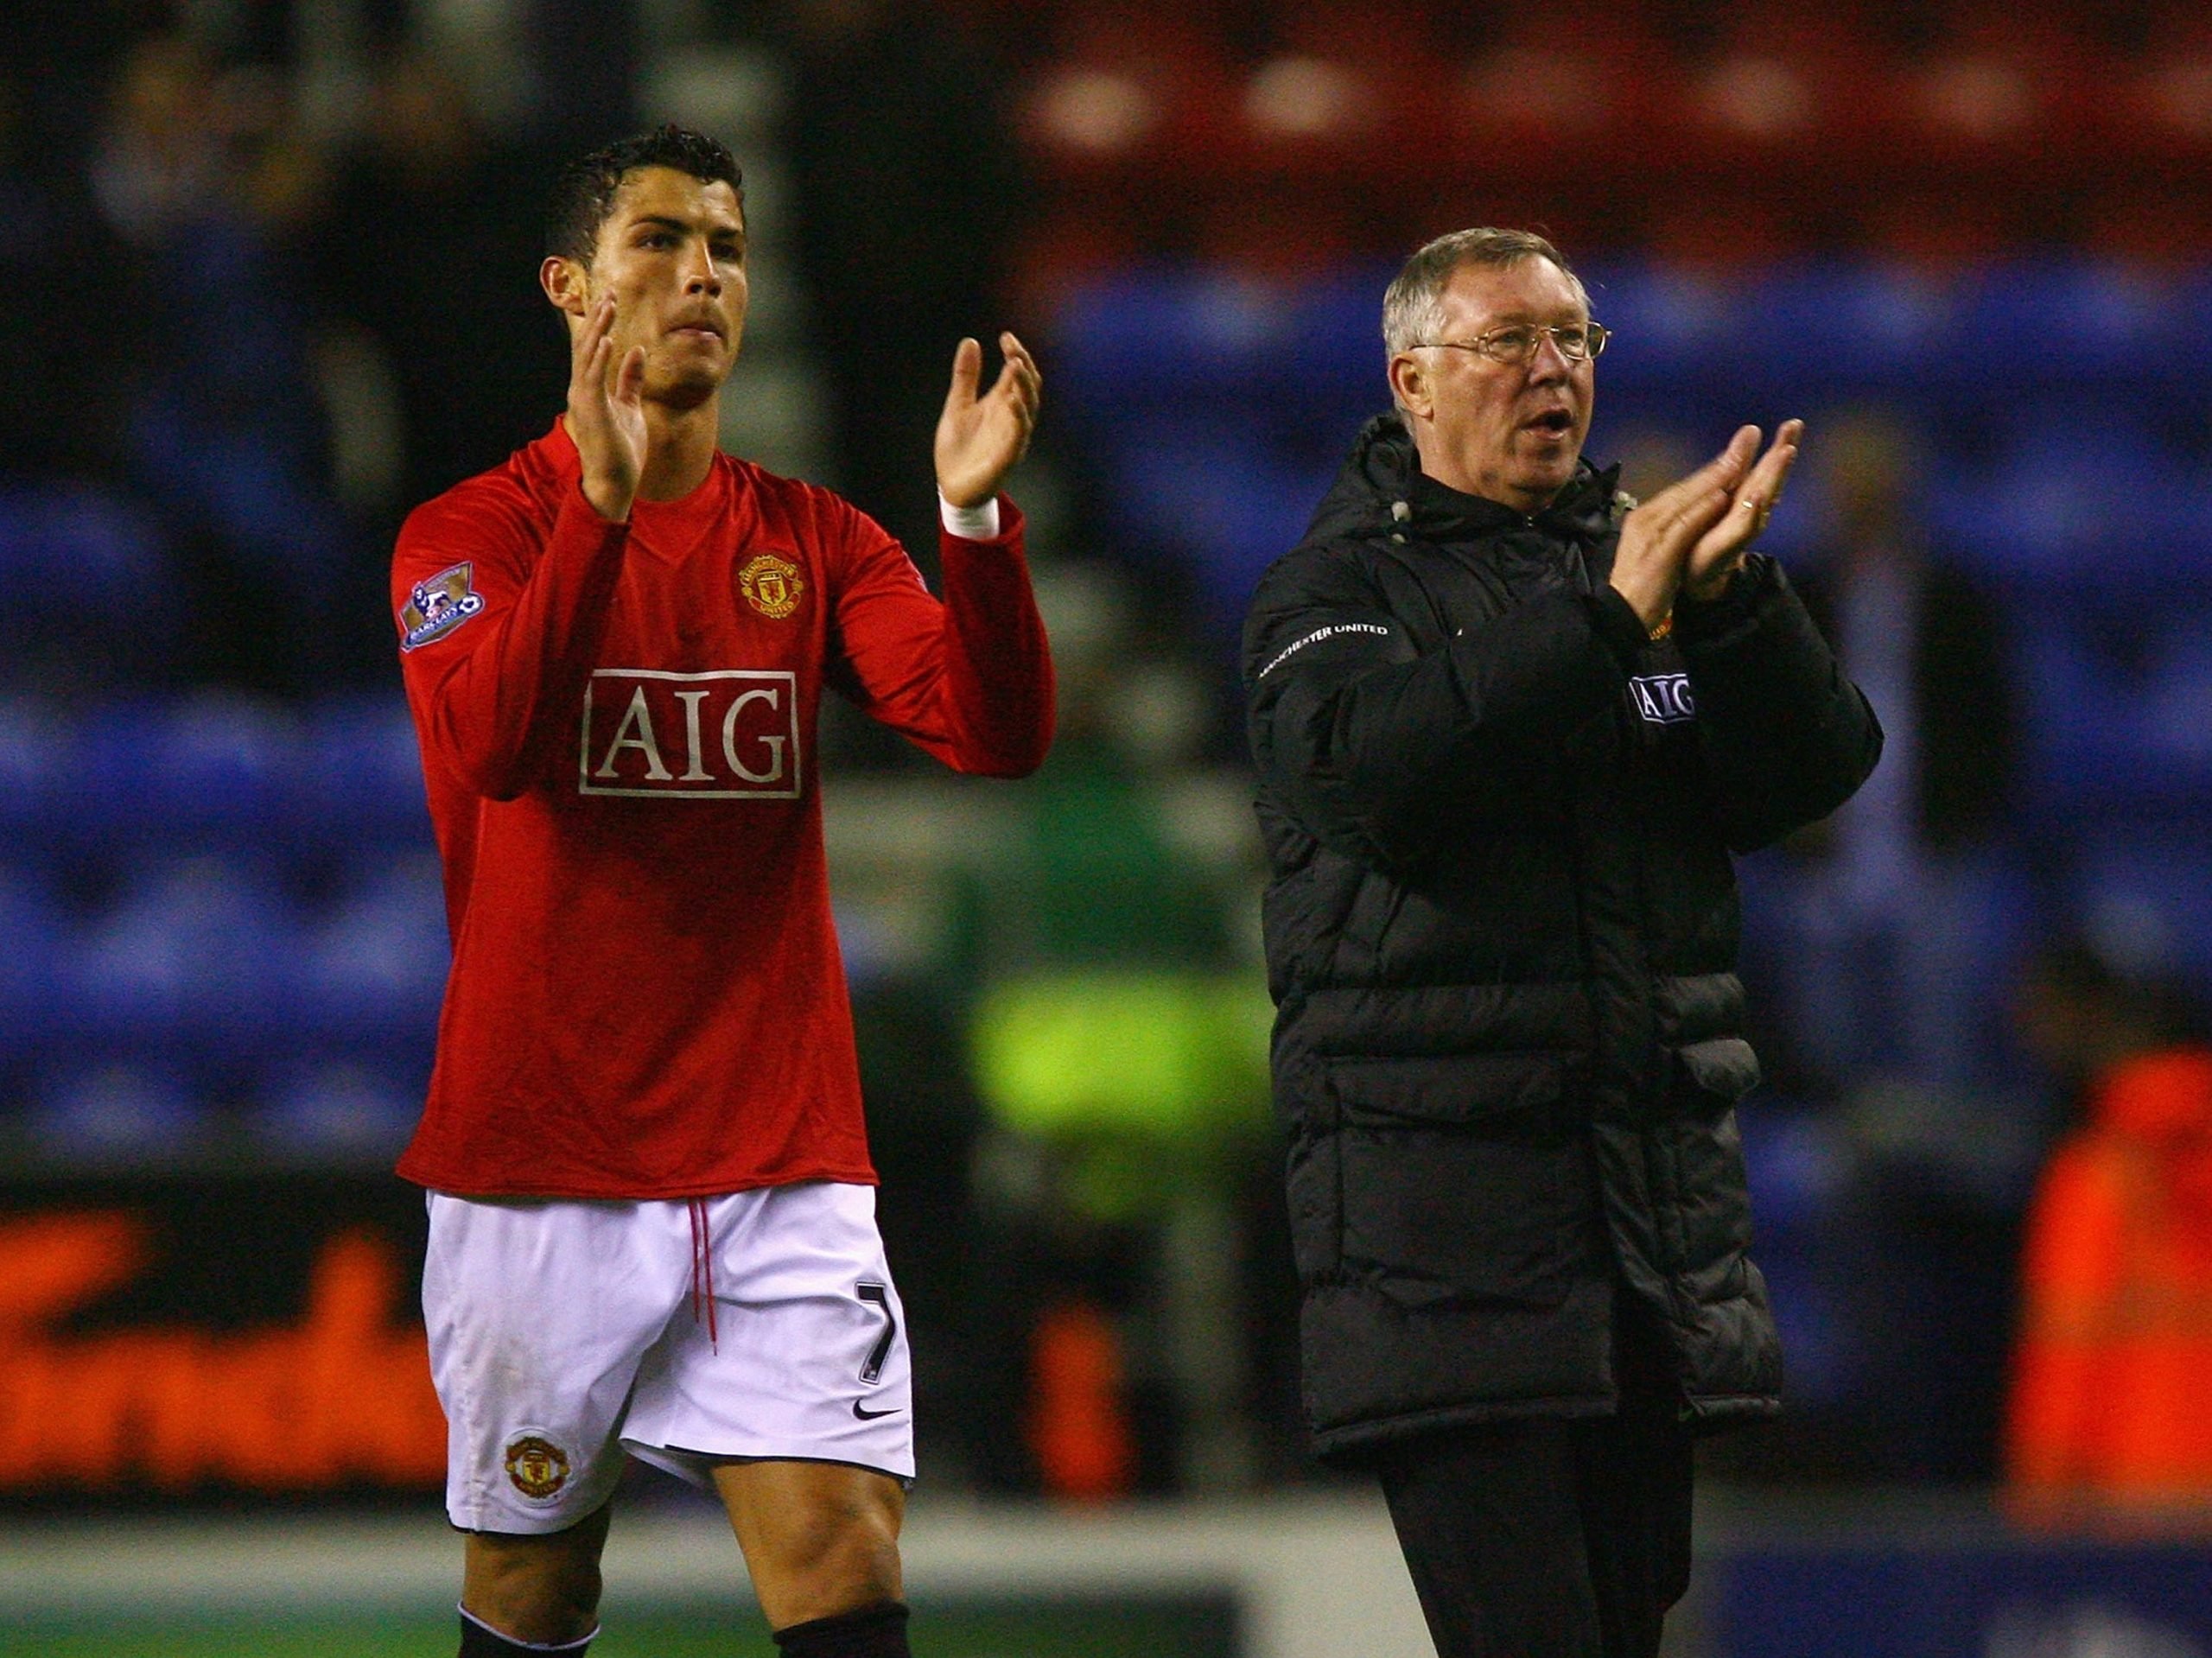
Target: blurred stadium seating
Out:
[224,931]
[280,852]
[224,918]
[1934,131]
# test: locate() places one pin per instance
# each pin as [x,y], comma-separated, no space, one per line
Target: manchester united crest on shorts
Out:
[435,607]
[772,586]
[536,1467]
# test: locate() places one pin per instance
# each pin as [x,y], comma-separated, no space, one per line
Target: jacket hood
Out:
[1381,489]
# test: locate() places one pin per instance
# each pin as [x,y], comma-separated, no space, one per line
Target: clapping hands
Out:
[1691,537]
[980,437]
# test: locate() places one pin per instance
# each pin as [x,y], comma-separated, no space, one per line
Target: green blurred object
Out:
[1073,1628]
[1174,1059]
[1139,1077]
[1115,1029]
[1102,884]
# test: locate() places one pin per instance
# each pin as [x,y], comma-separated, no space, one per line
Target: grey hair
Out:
[1413,306]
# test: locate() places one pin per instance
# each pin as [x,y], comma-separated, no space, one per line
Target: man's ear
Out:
[1409,383]
[565,284]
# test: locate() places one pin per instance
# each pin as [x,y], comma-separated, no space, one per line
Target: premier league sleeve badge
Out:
[437,607]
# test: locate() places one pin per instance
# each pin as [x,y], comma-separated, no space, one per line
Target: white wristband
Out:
[977,523]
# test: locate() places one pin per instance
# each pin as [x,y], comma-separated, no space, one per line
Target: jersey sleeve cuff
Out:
[977,523]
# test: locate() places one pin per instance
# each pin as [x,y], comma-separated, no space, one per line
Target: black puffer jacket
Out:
[1501,933]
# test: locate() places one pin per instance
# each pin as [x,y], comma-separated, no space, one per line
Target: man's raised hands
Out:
[980,438]
[1691,537]
[606,413]
[1719,551]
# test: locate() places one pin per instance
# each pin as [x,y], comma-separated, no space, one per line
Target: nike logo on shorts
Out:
[868,1415]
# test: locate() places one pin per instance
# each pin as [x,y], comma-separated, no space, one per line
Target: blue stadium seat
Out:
[1675,336]
[1334,353]
[194,958]
[1820,334]
[2143,894]
[1155,337]
[1797,1165]
[30,948]
[2188,348]
[2074,324]
[210,772]
[34,758]
[322,1111]
[361,785]
[106,1113]
[1215,500]
[370,975]
[2119,713]
[2093,506]
[82,571]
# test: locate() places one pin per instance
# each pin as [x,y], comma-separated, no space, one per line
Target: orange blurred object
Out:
[1078,1417]
[2108,1403]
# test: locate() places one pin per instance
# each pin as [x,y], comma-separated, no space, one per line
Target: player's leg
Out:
[821,1541]
[539,1315]
[523,1592]
[795,1401]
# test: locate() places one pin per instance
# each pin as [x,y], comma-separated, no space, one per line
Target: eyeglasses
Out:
[1517,343]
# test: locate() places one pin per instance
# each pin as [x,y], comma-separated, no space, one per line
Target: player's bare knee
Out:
[827,1559]
[535,1589]
[858,1538]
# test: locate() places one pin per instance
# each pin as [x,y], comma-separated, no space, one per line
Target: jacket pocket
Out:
[1459,1179]
[1462,1089]
[1705,1193]
[1722,1069]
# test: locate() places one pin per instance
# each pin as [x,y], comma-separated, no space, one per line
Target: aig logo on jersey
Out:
[1663,699]
[732,735]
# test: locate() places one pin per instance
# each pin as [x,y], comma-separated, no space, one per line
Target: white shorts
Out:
[763,1324]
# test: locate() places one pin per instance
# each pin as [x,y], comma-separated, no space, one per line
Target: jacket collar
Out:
[1582,511]
[1382,490]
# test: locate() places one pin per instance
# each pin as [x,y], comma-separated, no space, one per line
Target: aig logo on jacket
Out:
[1663,699]
[730,734]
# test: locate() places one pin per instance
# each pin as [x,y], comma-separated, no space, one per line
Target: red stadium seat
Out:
[1127,86]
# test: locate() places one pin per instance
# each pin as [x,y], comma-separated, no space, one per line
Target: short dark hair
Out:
[584,193]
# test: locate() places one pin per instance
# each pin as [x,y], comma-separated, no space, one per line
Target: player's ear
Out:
[565,284]
[1410,382]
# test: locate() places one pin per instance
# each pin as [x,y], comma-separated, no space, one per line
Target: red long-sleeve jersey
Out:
[617,724]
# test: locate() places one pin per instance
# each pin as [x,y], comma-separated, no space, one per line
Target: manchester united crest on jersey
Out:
[772,586]
[536,1467]
[437,607]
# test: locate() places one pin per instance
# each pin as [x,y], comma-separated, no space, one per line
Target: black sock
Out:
[479,1640]
[878,1631]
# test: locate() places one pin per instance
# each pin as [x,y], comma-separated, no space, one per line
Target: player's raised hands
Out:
[980,437]
[1719,551]
[606,413]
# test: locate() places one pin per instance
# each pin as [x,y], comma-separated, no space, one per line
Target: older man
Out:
[1509,727]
